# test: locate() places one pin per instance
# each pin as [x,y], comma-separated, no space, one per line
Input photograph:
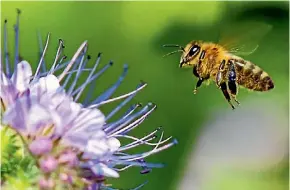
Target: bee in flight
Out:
[220,62]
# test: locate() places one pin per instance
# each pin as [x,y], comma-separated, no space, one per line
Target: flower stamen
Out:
[58,53]
[88,78]
[108,93]
[128,99]
[81,66]
[42,56]
[6,54]
[72,61]
[43,67]
[16,29]
[119,97]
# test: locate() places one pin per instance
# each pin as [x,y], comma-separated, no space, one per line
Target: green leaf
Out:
[14,160]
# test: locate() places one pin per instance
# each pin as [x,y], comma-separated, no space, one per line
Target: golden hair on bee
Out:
[220,62]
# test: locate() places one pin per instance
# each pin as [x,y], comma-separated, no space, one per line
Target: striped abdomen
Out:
[252,77]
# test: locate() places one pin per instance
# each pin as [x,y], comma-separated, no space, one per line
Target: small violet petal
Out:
[24,73]
[98,145]
[114,144]
[103,170]
[48,84]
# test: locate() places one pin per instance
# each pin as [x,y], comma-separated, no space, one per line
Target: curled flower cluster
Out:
[73,143]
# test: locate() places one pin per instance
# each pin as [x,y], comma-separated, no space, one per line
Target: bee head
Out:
[189,56]
[189,53]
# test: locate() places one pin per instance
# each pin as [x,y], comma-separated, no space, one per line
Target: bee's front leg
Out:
[200,79]
[196,72]
[198,84]
[232,84]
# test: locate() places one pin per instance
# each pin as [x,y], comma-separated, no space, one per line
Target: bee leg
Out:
[223,87]
[233,91]
[200,79]
[219,74]
[195,72]
[198,84]
[232,84]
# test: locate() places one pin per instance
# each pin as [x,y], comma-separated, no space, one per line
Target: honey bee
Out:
[220,62]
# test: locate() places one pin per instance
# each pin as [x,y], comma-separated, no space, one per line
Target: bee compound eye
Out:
[193,50]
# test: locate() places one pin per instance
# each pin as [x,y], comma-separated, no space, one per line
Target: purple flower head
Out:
[68,157]
[66,178]
[67,135]
[46,184]
[48,164]
[40,146]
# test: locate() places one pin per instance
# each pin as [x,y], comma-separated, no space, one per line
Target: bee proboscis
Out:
[220,62]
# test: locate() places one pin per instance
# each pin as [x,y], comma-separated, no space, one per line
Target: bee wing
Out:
[244,38]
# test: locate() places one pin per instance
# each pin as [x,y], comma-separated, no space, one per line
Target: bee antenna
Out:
[173,52]
[174,45]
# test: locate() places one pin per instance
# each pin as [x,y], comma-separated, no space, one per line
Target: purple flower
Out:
[40,146]
[75,137]
[68,157]
[45,184]
[48,164]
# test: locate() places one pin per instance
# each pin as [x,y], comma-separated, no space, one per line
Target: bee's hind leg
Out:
[224,89]
[232,84]
[233,87]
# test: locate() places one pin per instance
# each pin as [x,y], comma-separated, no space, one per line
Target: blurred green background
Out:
[133,33]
